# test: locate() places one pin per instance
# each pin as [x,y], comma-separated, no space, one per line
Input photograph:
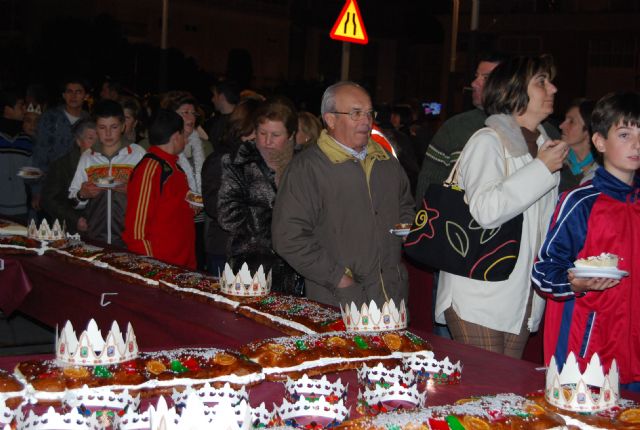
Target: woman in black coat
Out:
[247,194]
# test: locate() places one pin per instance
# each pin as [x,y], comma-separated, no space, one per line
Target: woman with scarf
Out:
[250,178]
[508,168]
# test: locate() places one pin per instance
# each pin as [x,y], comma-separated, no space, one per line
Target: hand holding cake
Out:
[582,283]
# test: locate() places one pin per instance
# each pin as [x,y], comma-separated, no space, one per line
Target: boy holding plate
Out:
[593,312]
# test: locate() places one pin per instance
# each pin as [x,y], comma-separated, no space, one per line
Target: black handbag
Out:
[445,236]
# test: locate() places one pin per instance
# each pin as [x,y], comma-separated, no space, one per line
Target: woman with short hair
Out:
[508,168]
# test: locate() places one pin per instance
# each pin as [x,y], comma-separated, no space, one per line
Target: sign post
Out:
[349,28]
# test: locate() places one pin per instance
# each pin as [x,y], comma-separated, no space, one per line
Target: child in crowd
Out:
[588,315]
[100,181]
[159,221]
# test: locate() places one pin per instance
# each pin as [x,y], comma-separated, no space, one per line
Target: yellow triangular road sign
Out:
[349,26]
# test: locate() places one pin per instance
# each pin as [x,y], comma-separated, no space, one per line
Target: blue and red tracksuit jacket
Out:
[600,216]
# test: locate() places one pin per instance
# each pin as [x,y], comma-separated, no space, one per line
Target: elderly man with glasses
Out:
[336,204]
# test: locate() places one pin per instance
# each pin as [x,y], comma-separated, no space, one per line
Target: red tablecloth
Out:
[161,320]
[14,285]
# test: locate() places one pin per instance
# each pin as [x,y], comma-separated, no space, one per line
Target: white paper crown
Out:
[319,410]
[380,373]
[211,396]
[392,396]
[34,108]
[313,388]
[372,318]
[571,389]
[51,420]
[243,283]
[425,365]
[100,398]
[91,349]
[6,413]
[44,232]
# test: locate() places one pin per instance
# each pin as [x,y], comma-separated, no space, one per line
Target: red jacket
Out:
[159,221]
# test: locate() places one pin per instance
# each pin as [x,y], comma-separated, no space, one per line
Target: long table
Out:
[57,291]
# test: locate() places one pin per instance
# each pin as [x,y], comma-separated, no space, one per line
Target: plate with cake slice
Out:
[107,182]
[29,172]
[604,265]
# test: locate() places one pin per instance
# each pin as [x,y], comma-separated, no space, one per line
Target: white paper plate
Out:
[598,272]
[29,173]
[113,185]
[400,231]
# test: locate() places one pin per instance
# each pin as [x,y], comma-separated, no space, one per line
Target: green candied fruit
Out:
[413,338]
[394,427]
[295,309]
[301,345]
[102,372]
[454,423]
[267,301]
[178,367]
[360,342]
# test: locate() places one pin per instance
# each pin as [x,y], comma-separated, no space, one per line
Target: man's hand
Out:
[345,282]
[82,224]
[552,153]
[581,285]
[89,190]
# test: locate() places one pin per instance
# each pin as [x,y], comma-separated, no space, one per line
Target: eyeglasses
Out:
[357,115]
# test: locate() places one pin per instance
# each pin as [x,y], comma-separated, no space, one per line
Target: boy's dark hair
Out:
[506,88]
[107,109]
[75,80]
[613,109]
[230,90]
[174,99]
[9,97]
[165,124]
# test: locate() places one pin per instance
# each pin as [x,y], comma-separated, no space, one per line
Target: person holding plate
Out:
[158,222]
[99,185]
[592,311]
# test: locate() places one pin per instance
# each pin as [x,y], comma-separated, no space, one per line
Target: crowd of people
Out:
[312,199]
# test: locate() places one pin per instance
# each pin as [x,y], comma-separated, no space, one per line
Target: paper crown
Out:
[426,366]
[572,390]
[304,412]
[91,349]
[44,232]
[52,420]
[243,283]
[372,318]
[92,399]
[34,108]
[379,373]
[6,413]
[385,397]
[210,396]
[314,388]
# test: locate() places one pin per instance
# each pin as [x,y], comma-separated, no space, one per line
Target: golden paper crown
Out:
[44,232]
[572,390]
[245,284]
[91,349]
[372,318]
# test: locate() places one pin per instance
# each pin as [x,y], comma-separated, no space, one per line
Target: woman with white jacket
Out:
[508,168]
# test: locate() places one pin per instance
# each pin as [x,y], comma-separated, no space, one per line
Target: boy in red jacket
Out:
[159,221]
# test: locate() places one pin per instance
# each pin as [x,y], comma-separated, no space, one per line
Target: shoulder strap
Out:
[452,179]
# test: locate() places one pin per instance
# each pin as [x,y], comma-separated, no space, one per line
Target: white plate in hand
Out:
[598,272]
[29,172]
[111,185]
[402,232]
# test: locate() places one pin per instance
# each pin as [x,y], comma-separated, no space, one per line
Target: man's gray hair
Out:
[329,97]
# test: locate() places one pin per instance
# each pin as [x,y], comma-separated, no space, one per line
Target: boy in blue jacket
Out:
[587,315]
